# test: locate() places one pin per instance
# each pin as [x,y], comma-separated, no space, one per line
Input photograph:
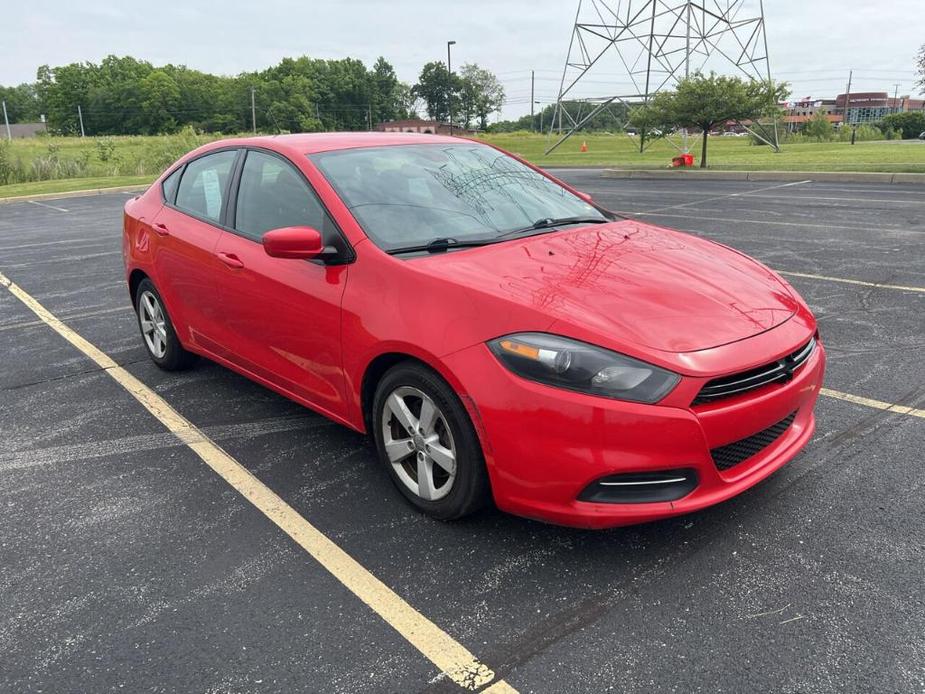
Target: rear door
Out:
[281,317]
[187,230]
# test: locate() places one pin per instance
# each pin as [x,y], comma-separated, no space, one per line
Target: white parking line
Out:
[740,194]
[898,287]
[809,225]
[450,656]
[42,204]
[876,404]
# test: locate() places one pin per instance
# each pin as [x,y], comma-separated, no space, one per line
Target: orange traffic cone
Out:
[584,146]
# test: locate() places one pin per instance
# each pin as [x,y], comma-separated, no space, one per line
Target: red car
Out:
[498,334]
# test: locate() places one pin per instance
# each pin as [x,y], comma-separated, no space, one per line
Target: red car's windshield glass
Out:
[408,195]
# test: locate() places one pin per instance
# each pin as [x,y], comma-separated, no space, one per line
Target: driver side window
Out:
[273,195]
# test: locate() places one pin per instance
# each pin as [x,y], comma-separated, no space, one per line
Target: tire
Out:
[443,496]
[160,340]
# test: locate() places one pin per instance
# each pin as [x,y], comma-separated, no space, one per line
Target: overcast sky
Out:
[813,43]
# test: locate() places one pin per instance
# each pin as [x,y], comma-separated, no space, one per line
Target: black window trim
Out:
[178,170]
[172,204]
[345,251]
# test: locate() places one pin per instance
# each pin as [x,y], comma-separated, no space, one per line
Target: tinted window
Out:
[202,188]
[411,194]
[169,186]
[274,195]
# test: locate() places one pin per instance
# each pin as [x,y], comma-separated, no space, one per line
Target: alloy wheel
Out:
[153,324]
[419,443]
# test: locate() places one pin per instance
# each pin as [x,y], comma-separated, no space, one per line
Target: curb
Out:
[822,176]
[75,193]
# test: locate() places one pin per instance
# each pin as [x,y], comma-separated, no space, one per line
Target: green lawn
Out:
[61,164]
[723,153]
[67,185]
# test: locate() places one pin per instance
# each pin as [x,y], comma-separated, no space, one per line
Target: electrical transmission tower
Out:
[625,51]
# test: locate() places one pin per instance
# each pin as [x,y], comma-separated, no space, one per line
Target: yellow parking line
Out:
[876,404]
[451,657]
[900,287]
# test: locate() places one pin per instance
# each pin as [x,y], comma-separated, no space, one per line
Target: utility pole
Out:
[80,117]
[6,120]
[253,112]
[369,116]
[847,99]
[532,101]
[449,93]
[895,98]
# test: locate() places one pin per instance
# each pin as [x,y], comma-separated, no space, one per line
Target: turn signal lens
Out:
[566,363]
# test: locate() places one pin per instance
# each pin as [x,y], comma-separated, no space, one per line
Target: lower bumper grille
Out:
[641,487]
[730,455]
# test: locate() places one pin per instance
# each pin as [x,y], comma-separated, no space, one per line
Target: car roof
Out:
[310,143]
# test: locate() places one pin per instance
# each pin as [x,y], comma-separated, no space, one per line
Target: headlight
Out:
[565,363]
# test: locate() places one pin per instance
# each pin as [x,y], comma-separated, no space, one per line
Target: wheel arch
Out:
[379,365]
[134,279]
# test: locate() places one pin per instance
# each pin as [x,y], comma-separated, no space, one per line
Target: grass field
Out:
[723,153]
[60,164]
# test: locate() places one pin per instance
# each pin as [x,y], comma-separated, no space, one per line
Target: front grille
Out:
[734,453]
[778,371]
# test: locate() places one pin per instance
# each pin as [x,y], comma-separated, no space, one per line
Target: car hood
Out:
[628,282]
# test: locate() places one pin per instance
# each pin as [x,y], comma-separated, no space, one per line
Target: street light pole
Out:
[449,94]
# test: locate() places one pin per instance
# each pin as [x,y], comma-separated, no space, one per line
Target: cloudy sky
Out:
[812,43]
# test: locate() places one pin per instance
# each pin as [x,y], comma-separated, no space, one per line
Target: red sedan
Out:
[496,332]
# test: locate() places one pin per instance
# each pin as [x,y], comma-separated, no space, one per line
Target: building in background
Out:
[22,130]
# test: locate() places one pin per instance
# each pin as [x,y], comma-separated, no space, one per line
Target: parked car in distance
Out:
[497,333]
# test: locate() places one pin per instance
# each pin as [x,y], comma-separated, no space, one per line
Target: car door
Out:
[281,317]
[187,230]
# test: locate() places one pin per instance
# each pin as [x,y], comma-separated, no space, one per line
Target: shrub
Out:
[819,128]
[864,133]
[105,148]
[909,123]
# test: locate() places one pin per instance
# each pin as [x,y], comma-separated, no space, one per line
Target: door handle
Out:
[161,229]
[230,259]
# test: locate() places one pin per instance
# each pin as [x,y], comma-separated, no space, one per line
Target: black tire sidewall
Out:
[470,488]
[175,357]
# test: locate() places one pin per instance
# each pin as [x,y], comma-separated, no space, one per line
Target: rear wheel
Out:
[428,444]
[157,331]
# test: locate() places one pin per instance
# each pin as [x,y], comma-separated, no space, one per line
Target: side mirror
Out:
[293,242]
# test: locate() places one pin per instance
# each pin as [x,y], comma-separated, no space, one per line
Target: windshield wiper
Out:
[549,223]
[440,245]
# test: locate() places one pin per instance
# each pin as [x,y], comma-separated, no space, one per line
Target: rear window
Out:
[203,185]
[169,186]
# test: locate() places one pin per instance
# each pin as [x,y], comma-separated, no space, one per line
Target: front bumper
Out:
[543,446]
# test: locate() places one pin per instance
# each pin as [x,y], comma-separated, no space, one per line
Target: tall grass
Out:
[52,158]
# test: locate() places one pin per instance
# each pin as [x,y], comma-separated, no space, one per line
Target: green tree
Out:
[22,103]
[920,68]
[704,101]
[481,94]
[909,123]
[819,127]
[160,98]
[436,86]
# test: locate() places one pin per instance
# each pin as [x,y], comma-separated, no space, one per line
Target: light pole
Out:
[449,93]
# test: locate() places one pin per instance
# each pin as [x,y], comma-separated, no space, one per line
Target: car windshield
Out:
[409,195]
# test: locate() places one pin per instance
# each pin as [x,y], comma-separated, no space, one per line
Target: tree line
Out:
[127,96]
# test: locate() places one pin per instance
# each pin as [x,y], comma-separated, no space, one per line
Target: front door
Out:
[280,317]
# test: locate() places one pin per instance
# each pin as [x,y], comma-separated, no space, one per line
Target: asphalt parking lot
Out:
[127,563]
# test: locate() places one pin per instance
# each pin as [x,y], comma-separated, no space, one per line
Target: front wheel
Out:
[427,442]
